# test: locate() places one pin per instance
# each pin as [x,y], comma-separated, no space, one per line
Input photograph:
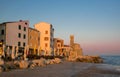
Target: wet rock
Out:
[52,61]
[89,59]
[1,69]
[32,65]
[1,62]
[57,60]
[40,62]
[48,61]
[23,64]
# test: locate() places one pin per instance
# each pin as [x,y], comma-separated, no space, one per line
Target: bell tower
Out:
[71,41]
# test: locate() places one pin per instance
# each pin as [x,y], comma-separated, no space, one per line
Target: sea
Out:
[112,60]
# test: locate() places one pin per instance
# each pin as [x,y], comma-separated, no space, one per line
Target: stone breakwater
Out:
[23,64]
[87,59]
[42,62]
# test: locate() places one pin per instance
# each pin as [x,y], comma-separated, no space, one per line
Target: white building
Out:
[14,33]
[46,36]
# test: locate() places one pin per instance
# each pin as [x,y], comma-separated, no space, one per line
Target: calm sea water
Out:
[113,60]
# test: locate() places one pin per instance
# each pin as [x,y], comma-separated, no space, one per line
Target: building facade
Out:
[14,33]
[66,50]
[33,40]
[46,36]
[78,49]
[58,46]
[75,47]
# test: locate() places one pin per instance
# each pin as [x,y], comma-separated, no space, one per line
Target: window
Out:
[24,44]
[46,32]
[2,41]
[19,27]
[2,32]
[19,44]
[46,38]
[24,28]
[58,40]
[25,23]
[58,45]
[24,36]
[46,45]
[19,35]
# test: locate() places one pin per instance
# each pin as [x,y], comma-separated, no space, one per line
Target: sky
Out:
[95,24]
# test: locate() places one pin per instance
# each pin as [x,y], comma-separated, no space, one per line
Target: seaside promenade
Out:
[66,69]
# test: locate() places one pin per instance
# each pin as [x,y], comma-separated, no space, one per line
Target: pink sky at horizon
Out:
[98,46]
[101,48]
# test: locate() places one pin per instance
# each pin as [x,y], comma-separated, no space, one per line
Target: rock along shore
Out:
[42,62]
[87,59]
[66,69]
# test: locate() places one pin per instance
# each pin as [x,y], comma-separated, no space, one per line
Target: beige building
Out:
[75,47]
[78,49]
[33,40]
[46,36]
[14,33]
[66,50]
[60,49]
[58,46]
